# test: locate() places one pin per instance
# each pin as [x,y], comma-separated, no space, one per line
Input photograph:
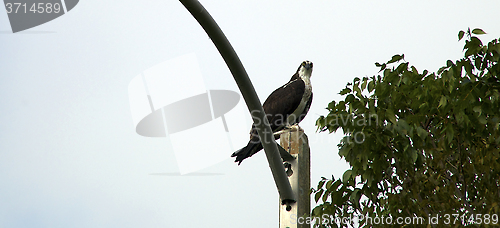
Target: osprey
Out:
[286,106]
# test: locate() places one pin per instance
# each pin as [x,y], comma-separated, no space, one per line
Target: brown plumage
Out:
[285,106]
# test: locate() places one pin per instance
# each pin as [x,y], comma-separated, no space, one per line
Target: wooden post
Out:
[299,174]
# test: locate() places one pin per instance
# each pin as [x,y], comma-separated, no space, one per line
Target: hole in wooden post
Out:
[288,168]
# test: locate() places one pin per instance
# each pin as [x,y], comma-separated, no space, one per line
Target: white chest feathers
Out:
[293,119]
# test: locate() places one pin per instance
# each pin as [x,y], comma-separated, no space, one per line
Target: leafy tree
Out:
[419,144]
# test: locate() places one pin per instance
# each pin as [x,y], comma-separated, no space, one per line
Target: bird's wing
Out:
[306,109]
[282,102]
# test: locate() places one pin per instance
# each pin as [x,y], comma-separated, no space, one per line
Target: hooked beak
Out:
[308,66]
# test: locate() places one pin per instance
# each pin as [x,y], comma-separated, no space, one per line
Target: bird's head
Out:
[305,69]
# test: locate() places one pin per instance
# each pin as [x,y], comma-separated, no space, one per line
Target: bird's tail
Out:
[250,149]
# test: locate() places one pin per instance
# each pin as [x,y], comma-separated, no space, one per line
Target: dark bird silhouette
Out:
[286,106]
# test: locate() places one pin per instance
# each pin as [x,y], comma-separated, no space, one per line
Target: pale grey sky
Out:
[69,155]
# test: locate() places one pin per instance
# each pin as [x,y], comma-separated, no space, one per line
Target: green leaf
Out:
[382,67]
[390,115]
[335,186]
[325,196]
[318,195]
[356,89]
[414,155]
[468,68]
[403,124]
[321,183]
[349,98]
[317,211]
[344,151]
[414,69]
[482,119]
[478,31]
[442,102]
[363,85]
[345,91]
[460,35]
[395,58]
[477,109]
[371,86]
[355,196]
[449,63]
[329,184]
[346,176]
[331,105]
[440,70]
[422,133]
[450,133]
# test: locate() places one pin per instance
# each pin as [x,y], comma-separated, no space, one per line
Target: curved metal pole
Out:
[249,95]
